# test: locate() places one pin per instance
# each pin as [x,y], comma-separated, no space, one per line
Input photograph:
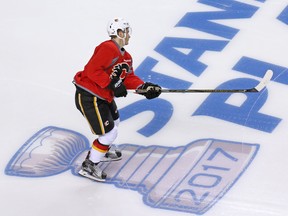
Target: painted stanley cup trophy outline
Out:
[189,178]
[50,151]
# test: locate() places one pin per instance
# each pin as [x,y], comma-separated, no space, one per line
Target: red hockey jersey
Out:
[95,77]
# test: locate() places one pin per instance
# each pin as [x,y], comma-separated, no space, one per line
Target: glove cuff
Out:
[115,83]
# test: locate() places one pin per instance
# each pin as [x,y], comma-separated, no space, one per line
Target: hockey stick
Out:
[262,84]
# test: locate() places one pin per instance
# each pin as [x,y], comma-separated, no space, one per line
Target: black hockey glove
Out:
[152,90]
[118,87]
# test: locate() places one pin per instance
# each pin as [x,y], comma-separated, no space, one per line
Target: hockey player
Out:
[108,74]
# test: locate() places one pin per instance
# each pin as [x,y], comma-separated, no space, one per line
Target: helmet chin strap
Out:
[122,38]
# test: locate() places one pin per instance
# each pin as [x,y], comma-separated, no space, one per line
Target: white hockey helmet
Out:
[117,23]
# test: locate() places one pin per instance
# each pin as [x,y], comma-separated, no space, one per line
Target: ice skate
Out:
[92,170]
[113,154]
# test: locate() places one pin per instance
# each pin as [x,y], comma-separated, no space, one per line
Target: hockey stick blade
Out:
[266,79]
[262,84]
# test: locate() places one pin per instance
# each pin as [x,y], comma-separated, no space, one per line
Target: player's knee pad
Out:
[108,138]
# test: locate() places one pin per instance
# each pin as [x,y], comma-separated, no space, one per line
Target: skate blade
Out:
[87,175]
[110,159]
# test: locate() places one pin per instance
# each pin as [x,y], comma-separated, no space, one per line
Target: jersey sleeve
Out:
[97,65]
[132,81]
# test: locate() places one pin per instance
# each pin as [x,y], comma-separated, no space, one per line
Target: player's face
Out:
[127,36]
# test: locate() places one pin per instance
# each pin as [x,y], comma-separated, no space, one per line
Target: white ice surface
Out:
[44,43]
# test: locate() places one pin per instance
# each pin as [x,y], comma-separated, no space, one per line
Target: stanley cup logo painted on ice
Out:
[189,178]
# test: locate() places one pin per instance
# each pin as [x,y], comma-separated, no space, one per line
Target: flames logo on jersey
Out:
[120,71]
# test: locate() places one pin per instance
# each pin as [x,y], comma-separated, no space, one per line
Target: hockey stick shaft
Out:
[262,84]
